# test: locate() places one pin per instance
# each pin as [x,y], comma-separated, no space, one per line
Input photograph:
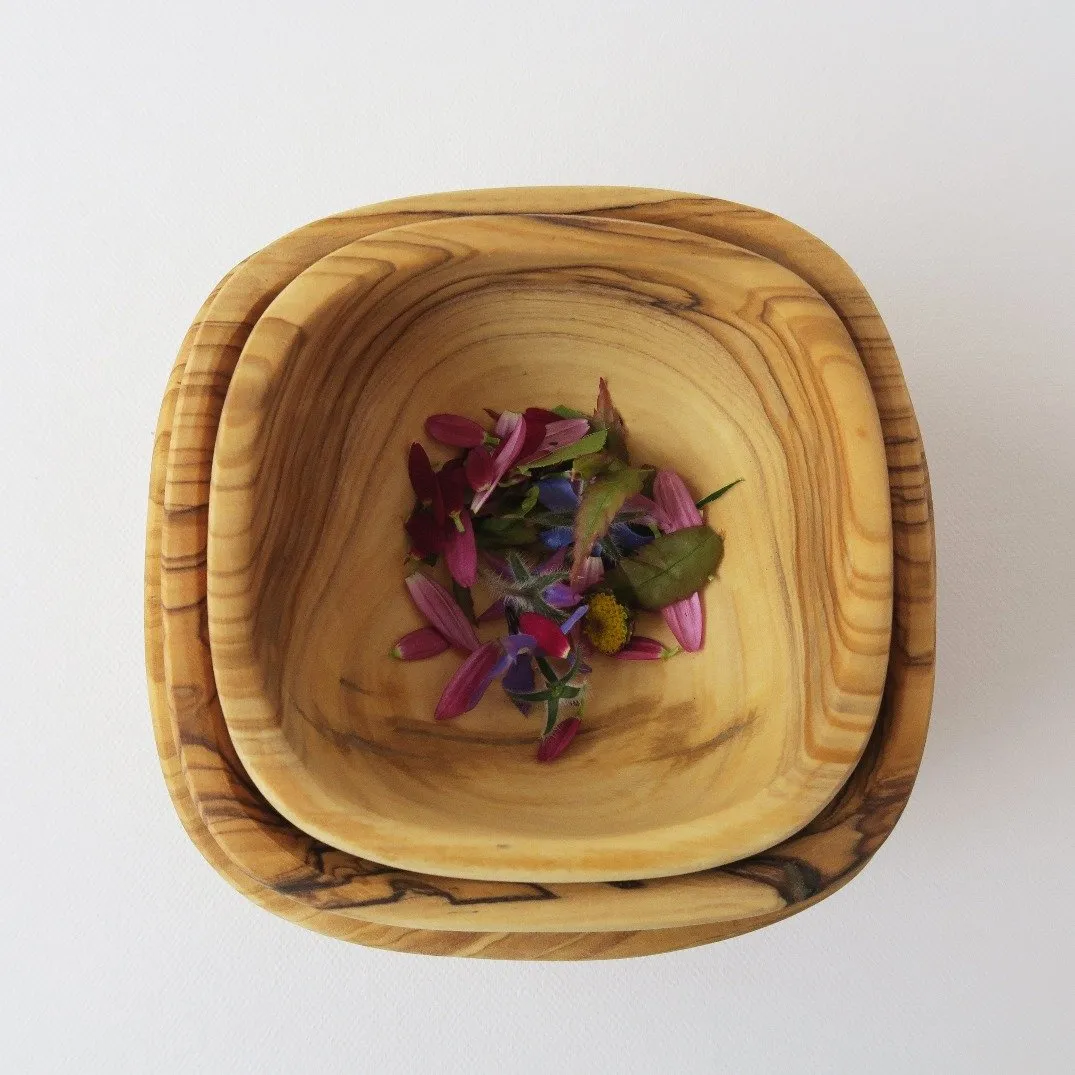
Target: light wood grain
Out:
[725,365]
[807,867]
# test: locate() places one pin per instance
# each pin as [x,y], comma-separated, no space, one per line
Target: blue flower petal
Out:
[556,537]
[628,538]
[558,494]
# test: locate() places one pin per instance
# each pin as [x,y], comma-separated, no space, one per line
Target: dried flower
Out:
[607,624]
[556,489]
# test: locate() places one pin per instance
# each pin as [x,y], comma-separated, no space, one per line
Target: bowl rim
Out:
[807,867]
[470,253]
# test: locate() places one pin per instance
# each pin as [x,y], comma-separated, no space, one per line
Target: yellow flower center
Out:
[607,624]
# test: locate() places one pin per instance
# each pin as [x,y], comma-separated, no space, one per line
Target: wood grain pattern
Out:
[725,364]
[261,846]
[474,944]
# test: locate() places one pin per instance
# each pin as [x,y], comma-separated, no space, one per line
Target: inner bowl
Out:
[726,366]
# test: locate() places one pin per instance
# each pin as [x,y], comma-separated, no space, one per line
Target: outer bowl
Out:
[264,855]
[726,365]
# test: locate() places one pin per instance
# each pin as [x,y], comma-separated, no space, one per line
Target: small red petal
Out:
[455,430]
[427,537]
[539,414]
[641,648]
[480,469]
[535,434]
[420,644]
[546,633]
[423,480]
[558,740]
[454,487]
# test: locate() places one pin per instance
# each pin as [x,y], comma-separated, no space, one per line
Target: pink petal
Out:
[440,608]
[480,468]
[471,679]
[455,430]
[592,572]
[461,552]
[506,454]
[546,633]
[641,648]
[558,740]
[419,645]
[641,503]
[675,500]
[561,433]
[686,620]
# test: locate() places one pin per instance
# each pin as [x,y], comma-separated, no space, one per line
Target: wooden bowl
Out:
[725,365]
[331,886]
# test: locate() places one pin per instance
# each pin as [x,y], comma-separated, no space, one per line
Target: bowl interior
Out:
[726,366]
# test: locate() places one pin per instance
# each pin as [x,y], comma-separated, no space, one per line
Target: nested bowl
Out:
[282,867]
[726,365]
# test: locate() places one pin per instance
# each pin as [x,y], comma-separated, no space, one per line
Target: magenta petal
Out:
[506,454]
[686,620]
[455,430]
[441,609]
[648,507]
[461,552]
[558,740]
[562,433]
[419,645]
[675,500]
[471,679]
[641,648]
[480,468]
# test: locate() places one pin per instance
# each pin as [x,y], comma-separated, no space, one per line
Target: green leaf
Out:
[551,714]
[508,532]
[615,581]
[589,466]
[531,696]
[529,501]
[673,566]
[600,501]
[568,412]
[592,442]
[718,494]
[608,418]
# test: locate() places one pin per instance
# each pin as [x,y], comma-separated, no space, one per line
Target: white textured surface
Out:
[146,147]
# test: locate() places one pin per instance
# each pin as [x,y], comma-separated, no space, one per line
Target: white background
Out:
[147,147]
